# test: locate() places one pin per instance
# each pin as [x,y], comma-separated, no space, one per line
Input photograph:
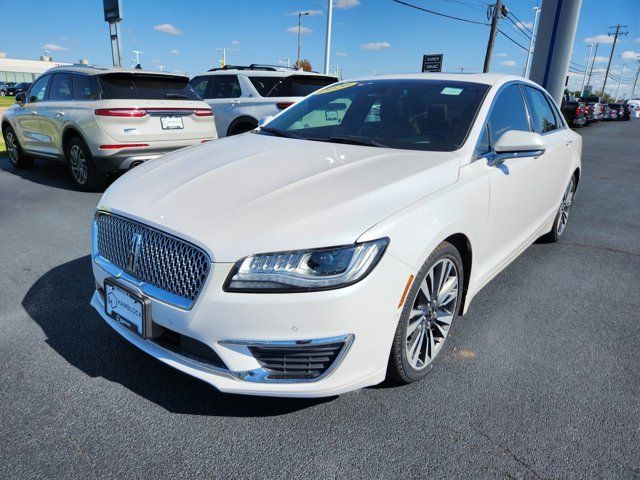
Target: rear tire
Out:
[428,314]
[17,157]
[240,128]
[83,171]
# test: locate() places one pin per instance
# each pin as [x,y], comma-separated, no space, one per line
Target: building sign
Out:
[432,63]
[112,10]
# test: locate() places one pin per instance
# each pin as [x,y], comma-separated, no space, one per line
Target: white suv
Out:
[241,96]
[102,120]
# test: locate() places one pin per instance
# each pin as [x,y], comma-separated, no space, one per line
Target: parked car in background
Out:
[3,89]
[574,112]
[17,88]
[635,107]
[241,96]
[332,247]
[104,120]
[6,88]
[615,111]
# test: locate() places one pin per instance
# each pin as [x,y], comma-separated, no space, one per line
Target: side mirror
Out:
[519,141]
[264,120]
[19,98]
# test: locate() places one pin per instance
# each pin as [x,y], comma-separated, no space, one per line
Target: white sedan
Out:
[336,245]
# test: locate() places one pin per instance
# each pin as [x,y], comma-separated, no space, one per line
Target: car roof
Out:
[485,78]
[262,73]
[94,70]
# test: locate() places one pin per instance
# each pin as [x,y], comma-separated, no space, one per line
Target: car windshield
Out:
[146,87]
[416,114]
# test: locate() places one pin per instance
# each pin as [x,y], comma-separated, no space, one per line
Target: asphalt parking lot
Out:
[540,380]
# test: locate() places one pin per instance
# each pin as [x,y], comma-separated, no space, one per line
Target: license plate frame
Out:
[117,296]
[171,122]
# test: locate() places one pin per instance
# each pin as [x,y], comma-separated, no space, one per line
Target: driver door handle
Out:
[568,143]
[59,114]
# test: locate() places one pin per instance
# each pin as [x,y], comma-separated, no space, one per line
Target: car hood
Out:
[256,193]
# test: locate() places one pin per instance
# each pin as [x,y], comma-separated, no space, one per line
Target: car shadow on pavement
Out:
[59,303]
[45,172]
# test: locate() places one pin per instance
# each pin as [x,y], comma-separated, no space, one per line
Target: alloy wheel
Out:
[565,207]
[431,314]
[78,164]
[12,147]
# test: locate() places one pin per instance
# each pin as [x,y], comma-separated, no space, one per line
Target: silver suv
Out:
[102,120]
[242,96]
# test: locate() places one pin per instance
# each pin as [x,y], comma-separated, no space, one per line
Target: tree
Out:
[304,64]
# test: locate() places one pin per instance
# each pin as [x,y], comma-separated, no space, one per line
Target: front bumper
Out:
[363,316]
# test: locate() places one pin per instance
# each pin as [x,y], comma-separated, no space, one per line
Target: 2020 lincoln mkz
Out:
[335,245]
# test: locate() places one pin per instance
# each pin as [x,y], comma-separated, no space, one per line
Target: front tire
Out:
[430,308]
[17,157]
[562,217]
[84,173]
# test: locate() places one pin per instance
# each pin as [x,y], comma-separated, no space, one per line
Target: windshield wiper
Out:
[175,95]
[279,133]
[354,141]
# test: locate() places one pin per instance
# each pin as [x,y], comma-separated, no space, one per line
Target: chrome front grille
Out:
[160,260]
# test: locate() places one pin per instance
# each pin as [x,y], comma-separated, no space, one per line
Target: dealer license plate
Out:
[171,123]
[124,307]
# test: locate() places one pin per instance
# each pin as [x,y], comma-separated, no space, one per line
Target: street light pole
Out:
[619,83]
[584,78]
[635,82]
[300,15]
[527,65]
[138,53]
[327,47]
[593,61]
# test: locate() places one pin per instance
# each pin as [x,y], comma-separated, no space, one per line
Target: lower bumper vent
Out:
[296,362]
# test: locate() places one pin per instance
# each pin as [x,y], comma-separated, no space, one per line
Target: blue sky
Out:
[184,35]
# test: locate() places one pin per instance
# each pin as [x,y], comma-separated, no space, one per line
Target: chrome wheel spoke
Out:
[431,314]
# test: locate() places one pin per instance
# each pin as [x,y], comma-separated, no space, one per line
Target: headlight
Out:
[305,270]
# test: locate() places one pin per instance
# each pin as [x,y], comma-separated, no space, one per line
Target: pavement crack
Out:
[517,459]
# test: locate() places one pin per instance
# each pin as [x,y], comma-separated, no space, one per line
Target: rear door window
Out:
[225,86]
[291,86]
[61,87]
[146,87]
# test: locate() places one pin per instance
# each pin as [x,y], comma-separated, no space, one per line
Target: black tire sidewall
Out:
[402,370]
[93,181]
[23,161]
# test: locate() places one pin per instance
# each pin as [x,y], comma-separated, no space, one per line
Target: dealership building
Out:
[17,70]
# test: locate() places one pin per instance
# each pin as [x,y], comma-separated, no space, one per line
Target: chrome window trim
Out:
[147,289]
[260,375]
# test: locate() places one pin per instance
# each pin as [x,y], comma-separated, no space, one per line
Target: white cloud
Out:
[52,47]
[630,55]
[303,30]
[375,45]
[168,28]
[508,63]
[601,59]
[341,54]
[175,51]
[308,12]
[599,39]
[345,3]
[501,55]
[637,40]
[528,25]
[235,42]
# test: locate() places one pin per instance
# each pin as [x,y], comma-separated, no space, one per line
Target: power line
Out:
[518,44]
[470,5]
[521,22]
[439,14]
[578,65]
[518,28]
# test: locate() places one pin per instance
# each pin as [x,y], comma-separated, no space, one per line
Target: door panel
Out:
[55,112]
[28,118]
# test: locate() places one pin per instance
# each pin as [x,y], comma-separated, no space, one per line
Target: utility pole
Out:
[586,70]
[635,82]
[327,46]
[527,64]
[619,84]
[300,15]
[613,47]
[593,61]
[497,10]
